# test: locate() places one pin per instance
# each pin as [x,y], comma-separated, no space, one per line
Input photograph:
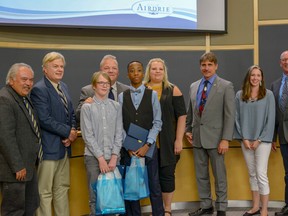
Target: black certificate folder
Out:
[135,138]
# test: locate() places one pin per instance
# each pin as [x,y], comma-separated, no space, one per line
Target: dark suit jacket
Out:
[19,143]
[87,91]
[218,116]
[54,123]
[281,121]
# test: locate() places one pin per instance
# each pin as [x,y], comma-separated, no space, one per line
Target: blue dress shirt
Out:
[281,87]
[201,86]
[136,96]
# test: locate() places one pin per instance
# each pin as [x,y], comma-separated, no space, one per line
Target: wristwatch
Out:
[149,144]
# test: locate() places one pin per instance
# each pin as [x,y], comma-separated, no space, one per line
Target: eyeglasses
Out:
[103,83]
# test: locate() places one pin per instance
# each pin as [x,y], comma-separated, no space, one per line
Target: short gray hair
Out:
[108,57]
[14,70]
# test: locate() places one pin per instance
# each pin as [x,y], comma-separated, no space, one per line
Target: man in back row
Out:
[109,65]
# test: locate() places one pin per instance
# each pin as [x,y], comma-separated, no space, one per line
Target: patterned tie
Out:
[36,128]
[284,98]
[203,97]
[63,98]
[111,95]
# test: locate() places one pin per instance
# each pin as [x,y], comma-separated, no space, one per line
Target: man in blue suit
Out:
[57,121]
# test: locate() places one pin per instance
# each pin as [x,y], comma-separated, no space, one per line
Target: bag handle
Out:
[137,160]
[104,175]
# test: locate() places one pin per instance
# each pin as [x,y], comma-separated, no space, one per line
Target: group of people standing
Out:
[255,117]
[38,126]
[102,120]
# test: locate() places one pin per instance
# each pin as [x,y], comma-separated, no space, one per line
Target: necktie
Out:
[203,97]
[63,98]
[284,98]
[35,125]
[111,95]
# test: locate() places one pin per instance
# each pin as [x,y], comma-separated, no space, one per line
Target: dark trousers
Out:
[133,208]
[20,198]
[284,152]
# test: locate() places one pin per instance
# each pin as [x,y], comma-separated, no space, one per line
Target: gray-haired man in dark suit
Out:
[19,144]
[109,65]
[281,125]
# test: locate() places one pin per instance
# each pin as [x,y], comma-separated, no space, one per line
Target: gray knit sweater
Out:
[255,119]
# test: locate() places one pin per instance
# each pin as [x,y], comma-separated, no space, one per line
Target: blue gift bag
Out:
[136,180]
[109,193]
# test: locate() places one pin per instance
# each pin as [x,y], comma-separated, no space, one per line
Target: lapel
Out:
[21,104]
[277,90]
[52,90]
[65,91]
[194,91]
[118,88]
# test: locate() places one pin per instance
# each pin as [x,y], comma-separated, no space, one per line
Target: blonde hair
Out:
[49,57]
[147,79]
[96,75]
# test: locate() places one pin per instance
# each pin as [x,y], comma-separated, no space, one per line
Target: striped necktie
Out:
[35,125]
[63,98]
[284,97]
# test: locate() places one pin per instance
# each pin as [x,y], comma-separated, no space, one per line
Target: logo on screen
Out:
[152,9]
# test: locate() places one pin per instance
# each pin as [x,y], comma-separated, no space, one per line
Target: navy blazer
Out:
[54,123]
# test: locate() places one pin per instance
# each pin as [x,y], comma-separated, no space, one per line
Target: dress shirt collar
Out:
[53,84]
[114,86]
[283,77]
[141,88]
[210,81]
[100,101]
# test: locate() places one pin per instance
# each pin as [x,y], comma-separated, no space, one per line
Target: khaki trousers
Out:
[54,184]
